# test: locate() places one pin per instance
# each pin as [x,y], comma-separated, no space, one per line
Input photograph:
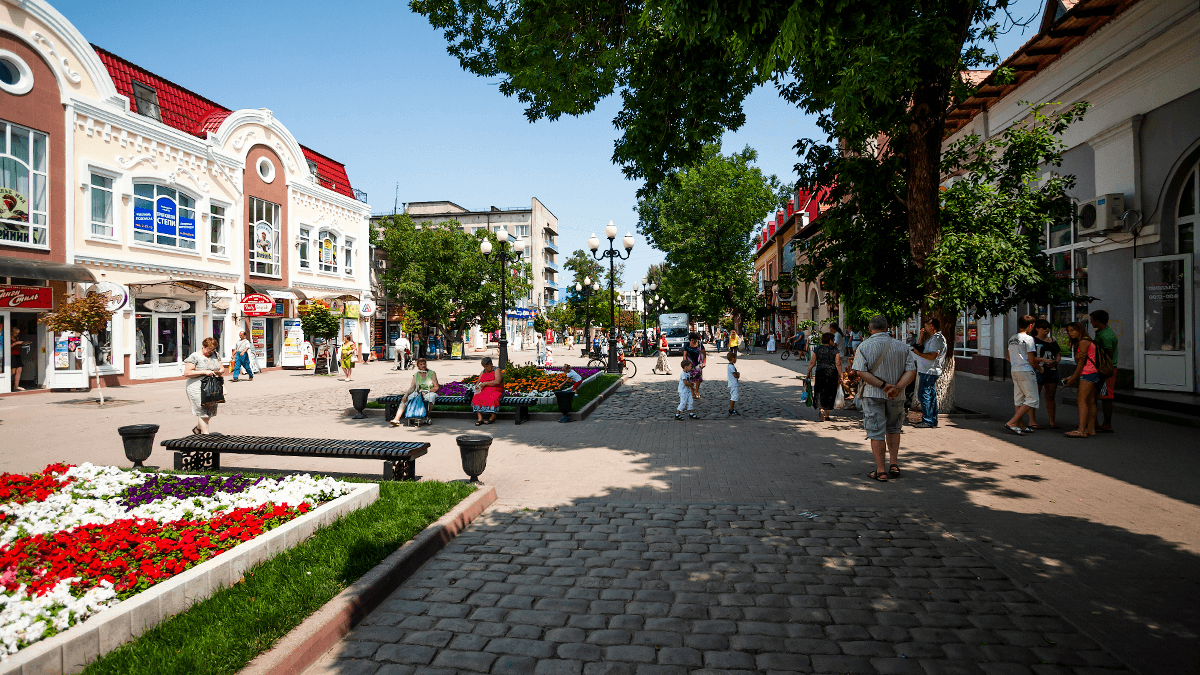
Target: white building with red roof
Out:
[115,176]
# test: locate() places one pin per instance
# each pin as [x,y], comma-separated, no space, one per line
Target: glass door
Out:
[5,356]
[167,345]
[1164,346]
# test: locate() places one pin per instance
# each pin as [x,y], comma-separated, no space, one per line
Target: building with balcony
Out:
[124,182]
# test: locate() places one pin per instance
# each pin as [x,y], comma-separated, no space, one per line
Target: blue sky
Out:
[371,85]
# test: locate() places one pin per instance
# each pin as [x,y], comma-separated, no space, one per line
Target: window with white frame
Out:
[1069,260]
[305,235]
[24,186]
[164,216]
[522,231]
[348,257]
[102,206]
[1189,212]
[264,238]
[327,252]
[216,230]
[966,335]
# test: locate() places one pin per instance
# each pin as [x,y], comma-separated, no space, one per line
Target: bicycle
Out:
[787,350]
[627,366]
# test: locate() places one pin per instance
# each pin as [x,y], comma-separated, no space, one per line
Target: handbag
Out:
[858,397]
[212,389]
[807,395]
[416,408]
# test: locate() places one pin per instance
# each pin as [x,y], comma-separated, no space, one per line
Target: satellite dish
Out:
[1087,216]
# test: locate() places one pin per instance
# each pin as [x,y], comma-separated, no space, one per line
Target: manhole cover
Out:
[95,402]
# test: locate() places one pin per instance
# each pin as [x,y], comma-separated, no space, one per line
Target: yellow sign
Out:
[352,310]
[456,350]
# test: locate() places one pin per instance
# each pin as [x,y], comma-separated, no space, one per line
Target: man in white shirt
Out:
[931,354]
[1023,362]
[402,346]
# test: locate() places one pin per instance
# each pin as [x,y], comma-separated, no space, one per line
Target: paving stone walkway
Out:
[669,589]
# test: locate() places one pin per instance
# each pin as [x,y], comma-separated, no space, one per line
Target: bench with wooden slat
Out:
[521,403]
[203,452]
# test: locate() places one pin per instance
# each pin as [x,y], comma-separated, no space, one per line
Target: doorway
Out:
[23,327]
[159,342]
[1164,347]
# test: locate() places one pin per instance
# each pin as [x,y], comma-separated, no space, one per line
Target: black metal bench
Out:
[521,403]
[203,452]
[391,405]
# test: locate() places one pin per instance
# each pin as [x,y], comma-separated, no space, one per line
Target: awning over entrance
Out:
[275,292]
[40,269]
[189,285]
[345,297]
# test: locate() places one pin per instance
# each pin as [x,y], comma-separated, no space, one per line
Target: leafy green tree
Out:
[702,218]
[442,277]
[562,316]
[317,321]
[88,316]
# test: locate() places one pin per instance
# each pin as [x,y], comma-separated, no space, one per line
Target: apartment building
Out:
[118,180]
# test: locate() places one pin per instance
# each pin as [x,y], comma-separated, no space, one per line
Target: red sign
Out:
[257,304]
[26,297]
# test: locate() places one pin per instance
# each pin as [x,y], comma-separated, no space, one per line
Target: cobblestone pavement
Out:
[669,589]
[656,397]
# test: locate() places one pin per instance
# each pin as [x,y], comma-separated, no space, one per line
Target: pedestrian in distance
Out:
[1023,361]
[931,353]
[1087,376]
[241,357]
[771,344]
[17,364]
[403,347]
[197,366]
[885,366]
[734,341]
[685,391]
[663,366]
[1047,375]
[348,356]
[828,364]
[733,376]
[698,356]
[1106,341]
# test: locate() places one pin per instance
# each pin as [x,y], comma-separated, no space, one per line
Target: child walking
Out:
[685,390]
[732,375]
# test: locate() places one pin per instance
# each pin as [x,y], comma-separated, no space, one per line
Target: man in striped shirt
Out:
[886,366]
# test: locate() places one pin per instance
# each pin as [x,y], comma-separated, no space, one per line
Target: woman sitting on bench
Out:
[425,383]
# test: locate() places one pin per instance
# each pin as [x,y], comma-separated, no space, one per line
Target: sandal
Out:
[881,477]
[894,471]
[1036,426]
[1015,430]
[1075,434]
[196,430]
[479,423]
[394,423]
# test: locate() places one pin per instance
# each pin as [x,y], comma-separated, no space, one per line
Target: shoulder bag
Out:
[858,397]
[212,389]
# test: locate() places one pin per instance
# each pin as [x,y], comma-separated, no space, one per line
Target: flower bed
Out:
[75,540]
[542,385]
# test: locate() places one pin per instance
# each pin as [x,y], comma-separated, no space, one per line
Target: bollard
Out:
[139,441]
[359,399]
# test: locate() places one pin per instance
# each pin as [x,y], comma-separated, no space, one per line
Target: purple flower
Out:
[161,486]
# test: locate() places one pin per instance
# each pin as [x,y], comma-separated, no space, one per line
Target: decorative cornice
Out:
[75,42]
[63,63]
[325,194]
[154,268]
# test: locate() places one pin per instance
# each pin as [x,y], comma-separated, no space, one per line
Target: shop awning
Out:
[40,269]
[345,297]
[189,285]
[276,292]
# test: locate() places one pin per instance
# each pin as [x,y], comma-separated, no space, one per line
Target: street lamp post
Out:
[614,364]
[504,258]
[645,304]
[585,291]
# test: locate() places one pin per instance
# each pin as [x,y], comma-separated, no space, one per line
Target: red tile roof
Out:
[191,113]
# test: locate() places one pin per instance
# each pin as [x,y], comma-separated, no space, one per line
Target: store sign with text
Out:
[26,297]
[257,304]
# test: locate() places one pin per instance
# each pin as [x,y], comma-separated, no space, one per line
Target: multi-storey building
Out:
[116,179]
[536,226]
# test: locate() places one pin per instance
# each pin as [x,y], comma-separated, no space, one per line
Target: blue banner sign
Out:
[143,218]
[187,228]
[166,220]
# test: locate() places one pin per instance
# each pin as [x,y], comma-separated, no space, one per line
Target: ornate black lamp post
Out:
[614,364]
[585,292]
[504,257]
[646,290]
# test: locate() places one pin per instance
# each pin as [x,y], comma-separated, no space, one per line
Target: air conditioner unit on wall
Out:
[1101,214]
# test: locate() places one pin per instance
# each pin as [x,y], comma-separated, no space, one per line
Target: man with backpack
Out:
[1106,341]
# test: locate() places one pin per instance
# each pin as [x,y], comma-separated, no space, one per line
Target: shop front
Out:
[23,360]
[170,319]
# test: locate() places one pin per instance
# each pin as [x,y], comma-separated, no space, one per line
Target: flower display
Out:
[75,540]
[527,382]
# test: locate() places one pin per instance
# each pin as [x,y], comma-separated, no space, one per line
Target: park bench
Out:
[202,452]
[521,403]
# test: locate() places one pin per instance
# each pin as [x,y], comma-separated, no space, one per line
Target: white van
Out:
[675,328]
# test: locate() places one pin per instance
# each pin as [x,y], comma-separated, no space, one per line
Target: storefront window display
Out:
[164,335]
[24,186]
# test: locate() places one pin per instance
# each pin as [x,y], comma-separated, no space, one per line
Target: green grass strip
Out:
[222,634]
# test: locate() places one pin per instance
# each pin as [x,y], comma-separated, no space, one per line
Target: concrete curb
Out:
[309,641]
[71,650]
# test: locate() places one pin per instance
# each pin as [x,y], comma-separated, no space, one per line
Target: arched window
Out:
[1188,213]
[264,238]
[24,197]
[327,252]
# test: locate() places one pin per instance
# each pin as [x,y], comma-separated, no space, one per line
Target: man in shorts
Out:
[1023,363]
[1106,339]
[885,366]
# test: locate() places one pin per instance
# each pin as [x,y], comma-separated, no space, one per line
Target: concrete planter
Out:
[74,648]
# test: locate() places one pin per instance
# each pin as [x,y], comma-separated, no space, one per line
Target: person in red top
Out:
[491,390]
[663,367]
[1087,376]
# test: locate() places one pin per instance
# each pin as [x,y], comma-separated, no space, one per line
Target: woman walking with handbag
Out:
[828,363]
[347,356]
[197,368]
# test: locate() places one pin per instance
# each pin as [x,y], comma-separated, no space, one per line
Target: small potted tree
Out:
[88,316]
[318,322]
